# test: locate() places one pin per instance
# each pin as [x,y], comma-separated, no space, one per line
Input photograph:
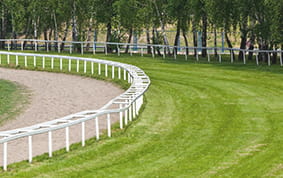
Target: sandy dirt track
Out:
[53,96]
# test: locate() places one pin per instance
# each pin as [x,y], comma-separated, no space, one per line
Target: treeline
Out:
[260,22]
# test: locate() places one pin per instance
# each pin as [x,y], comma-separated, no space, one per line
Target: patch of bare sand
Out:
[53,96]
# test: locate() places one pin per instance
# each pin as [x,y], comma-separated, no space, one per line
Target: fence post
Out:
[197,56]
[208,56]
[99,69]
[124,74]
[108,125]
[130,111]
[35,46]
[82,48]
[43,62]
[67,139]
[30,149]
[152,52]
[59,50]
[70,65]
[34,61]
[134,109]
[106,70]
[50,144]
[96,128]
[26,61]
[5,153]
[83,134]
[78,65]
[121,117]
[92,68]
[17,60]
[84,66]
[113,72]
[220,57]
[126,115]
[118,50]
[22,45]
[8,59]
[141,51]
[119,72]
[71,46]
[61,63]
[52,63]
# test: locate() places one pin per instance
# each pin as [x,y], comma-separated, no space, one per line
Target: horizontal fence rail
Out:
[126,105]
[260,55]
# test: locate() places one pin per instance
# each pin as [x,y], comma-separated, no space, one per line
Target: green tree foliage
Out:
[260,22]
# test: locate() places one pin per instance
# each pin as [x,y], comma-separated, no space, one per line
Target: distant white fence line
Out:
[141,48]
[127,105]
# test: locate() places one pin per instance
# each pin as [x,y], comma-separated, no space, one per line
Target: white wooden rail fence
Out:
[127,105]
[141,48]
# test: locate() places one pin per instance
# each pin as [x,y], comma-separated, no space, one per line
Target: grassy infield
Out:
[12,100]
[200,120]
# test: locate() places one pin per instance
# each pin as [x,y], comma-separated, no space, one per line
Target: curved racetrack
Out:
[53,96]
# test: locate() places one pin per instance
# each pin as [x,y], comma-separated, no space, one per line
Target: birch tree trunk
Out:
[162,27]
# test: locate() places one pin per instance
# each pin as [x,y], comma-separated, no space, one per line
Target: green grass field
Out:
[12,100]
[200,120]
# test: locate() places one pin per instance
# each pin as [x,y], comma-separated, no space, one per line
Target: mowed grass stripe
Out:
[200,120]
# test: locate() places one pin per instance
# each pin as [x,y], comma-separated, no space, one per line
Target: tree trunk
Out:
[215,42]
[274,54]
[65,35]
[186,41]
[74,27]
[204,35]
[244,31]
[109,36]
[153,40]
[55,32]
[195,42]
[229,44]
[129,40]
[3,28]
[45,38]
[194,37]
[157,42]
[162,27]
[148,41]
[89,34]
[251,47]
[50,37]
[14,35]
[262,55]
[177,37]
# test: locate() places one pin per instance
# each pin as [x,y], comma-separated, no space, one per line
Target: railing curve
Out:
[267,56]
[127,105]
